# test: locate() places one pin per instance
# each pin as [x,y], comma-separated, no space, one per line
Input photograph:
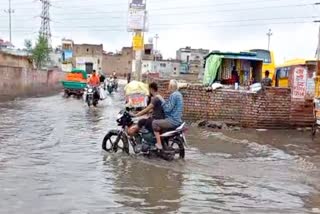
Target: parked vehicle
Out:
[173,141]
[268,62]
[92,96]
[284,72]
[75,82]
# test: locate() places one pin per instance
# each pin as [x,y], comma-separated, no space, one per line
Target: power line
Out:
[192,7]
[99,29]
[192,23]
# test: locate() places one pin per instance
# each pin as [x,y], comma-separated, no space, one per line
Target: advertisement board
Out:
[137,42]
[136,20]
[299,89]
[137,4]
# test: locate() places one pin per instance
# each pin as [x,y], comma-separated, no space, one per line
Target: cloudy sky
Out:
[231,25]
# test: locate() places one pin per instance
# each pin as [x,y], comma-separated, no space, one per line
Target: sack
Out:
[102,94]
[135,87]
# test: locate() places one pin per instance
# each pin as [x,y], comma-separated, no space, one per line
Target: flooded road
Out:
[51,162]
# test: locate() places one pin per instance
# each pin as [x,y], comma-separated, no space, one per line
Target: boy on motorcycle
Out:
[173,109]
[155,107]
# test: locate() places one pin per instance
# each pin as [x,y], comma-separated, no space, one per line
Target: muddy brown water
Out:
[51,162]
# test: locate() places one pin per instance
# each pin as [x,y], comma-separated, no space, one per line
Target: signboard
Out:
[137,4]
[299,89]
[311,86]
[80,61]
[136,19]
[137,100]
[137,42]
[67,55]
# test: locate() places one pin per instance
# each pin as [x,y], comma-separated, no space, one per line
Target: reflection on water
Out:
[51,162]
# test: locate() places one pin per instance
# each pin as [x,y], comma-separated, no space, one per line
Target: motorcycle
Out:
[112,85]
[92,96]
[173,141]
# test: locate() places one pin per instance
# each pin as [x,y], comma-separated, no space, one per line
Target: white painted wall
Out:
[96,61]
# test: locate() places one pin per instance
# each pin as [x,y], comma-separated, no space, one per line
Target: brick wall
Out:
[271,108]
[17,82]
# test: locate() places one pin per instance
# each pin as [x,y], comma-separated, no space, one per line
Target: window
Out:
[263,54]
[284,73]
[147,52]
[175,69]
[163,65]
[129,62]
[98,61]
[87,49]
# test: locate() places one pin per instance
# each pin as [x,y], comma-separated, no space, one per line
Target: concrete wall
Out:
[13,60]
[272,108]
[20,82]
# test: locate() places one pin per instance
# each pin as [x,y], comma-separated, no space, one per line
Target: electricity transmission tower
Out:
[45,30]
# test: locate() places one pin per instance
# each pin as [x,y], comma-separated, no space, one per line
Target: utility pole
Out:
[10,11]
[269,34]
[45,30]
[156,52]
[138,58]
[318,51]
[156,46]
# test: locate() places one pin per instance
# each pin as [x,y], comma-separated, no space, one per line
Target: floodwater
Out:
[51,162]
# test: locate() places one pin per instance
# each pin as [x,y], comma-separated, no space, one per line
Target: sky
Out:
[228,25]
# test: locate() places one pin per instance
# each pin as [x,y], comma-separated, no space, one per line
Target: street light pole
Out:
[10,11]
[269,34]
[156,52]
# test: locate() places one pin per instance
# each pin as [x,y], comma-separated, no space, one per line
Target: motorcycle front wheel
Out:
[115,141]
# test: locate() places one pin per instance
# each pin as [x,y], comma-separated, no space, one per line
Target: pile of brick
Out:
[272,108]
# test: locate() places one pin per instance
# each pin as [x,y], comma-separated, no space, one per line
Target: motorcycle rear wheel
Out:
[177,145]
[117,141]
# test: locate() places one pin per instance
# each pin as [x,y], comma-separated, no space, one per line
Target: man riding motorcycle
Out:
[155,107]
[94,81]
[173,109]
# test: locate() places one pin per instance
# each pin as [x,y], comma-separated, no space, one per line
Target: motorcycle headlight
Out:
[90,90]
[119,116]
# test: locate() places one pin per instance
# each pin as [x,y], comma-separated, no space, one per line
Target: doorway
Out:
[89,67]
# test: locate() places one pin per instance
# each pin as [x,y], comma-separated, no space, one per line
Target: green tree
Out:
[41,51]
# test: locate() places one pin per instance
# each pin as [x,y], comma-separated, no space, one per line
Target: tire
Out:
[178,141]
[114,145]
[173,147]
[95,103]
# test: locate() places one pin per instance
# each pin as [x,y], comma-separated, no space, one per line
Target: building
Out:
[120,62]
[165,68]
[194,58]
[229,68]
[15,58]
[67,55]
[88,57]
[5,44]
